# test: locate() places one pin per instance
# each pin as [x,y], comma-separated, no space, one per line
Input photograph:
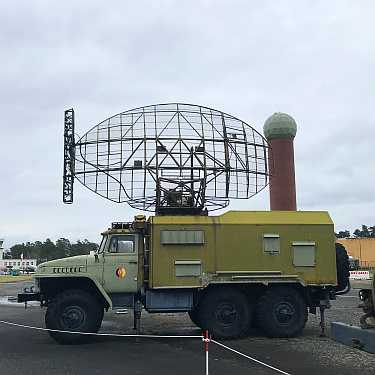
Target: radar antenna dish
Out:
[169,158]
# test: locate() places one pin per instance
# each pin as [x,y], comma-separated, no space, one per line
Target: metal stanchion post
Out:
[206,340]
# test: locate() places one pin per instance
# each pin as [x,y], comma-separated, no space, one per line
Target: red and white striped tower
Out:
[280,130]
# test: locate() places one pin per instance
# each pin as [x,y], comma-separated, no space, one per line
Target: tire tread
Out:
[264,315]
[95,316]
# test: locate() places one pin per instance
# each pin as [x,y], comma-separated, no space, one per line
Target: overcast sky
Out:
[312,59]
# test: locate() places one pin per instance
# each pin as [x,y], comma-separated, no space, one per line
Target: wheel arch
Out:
[51,286]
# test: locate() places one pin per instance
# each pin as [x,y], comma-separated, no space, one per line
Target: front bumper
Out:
[28,296]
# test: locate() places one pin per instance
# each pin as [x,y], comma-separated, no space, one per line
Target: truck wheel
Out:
[225,313]
[73,310]
[281,312]
[194,317]
[342,267]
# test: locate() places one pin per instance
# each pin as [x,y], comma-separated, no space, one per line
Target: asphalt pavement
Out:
[24,351]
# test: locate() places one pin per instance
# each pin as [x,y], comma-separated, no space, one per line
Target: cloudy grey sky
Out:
[312,59]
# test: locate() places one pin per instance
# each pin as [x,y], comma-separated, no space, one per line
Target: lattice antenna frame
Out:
[170,158]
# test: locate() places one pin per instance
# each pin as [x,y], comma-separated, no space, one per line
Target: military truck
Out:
[229,273]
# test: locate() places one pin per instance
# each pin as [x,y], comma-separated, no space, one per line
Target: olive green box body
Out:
[242,246]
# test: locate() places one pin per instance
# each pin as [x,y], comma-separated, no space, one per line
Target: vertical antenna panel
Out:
[69,155]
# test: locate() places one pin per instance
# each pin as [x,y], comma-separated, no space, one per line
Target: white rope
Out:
[100,334]
[251,358]
[146,336]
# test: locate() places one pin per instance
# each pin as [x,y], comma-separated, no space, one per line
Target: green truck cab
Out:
[228,272]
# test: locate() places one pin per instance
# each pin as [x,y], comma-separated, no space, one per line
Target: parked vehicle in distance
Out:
[28,270]
[353,263]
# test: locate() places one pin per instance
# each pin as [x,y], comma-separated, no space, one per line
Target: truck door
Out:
[120,271]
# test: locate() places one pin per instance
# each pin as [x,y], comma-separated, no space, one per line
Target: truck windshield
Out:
[102,244]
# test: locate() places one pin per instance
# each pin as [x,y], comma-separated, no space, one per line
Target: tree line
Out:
[49,250]
[364,232]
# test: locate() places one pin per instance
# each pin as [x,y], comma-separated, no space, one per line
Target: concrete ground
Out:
[24,351]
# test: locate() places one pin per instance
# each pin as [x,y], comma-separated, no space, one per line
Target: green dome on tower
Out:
[280,125]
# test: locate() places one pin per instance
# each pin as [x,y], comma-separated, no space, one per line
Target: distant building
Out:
[17,264]
[360,248]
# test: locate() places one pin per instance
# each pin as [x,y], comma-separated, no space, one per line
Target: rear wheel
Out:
[281,312]
[225,313]
[76,311]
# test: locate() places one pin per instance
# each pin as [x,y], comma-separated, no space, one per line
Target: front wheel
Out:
[76,311]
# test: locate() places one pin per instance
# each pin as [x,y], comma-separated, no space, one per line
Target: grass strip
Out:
[14,279]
